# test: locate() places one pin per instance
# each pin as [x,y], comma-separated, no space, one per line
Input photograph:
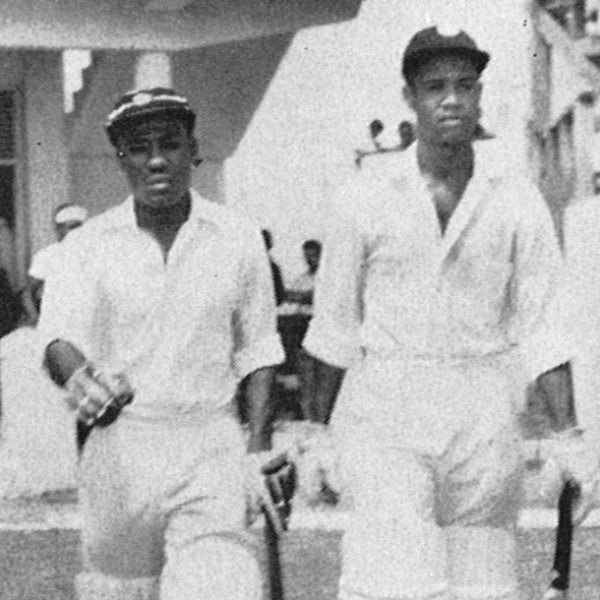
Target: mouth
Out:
[158,183]
[451,120]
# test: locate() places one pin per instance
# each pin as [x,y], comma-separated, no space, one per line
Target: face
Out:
[445,97]
[157,156]
[312,256]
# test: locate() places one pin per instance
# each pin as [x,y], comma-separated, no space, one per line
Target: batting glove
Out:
[97,396]
[570,458]
[318,463]
[270,485]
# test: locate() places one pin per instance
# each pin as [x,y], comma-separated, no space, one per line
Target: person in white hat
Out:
[66,217]
[437,300]
[164,305]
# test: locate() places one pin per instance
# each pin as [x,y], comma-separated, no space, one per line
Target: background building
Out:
[222,53]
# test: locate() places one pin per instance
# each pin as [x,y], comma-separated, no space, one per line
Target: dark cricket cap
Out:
[143,103]
[431,42]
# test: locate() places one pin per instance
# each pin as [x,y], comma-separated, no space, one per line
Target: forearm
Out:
[329,380]
[61,360]
[260,409]
[554,389]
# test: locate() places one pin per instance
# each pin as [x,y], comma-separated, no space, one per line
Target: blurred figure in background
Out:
[38,451]
[9,301]
[298,313]
[406,132]
[66,218]
[45,262]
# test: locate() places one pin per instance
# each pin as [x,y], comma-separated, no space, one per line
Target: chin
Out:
[459,139]
[156,201]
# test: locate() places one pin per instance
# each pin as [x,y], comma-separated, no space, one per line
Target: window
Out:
[8,156]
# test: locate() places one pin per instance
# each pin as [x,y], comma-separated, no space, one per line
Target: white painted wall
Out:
[334,80]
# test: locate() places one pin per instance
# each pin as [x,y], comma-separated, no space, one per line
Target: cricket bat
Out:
[274,573]
[561,567]
[282,495]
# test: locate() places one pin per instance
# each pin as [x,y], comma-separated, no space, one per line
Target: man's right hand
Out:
[569,457]
[98,396]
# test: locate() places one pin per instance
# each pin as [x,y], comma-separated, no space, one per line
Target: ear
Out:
[120,155]
[409,96]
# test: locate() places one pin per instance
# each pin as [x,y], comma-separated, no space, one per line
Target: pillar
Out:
[45,142]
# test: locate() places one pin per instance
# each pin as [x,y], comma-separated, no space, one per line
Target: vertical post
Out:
[583,140]
[45,142]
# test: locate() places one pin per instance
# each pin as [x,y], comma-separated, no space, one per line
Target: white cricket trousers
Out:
[430,457]
[163,513]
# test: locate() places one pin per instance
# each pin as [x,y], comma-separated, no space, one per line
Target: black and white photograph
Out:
[300,300]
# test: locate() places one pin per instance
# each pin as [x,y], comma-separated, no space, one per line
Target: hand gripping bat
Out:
[561,567]
[280,476]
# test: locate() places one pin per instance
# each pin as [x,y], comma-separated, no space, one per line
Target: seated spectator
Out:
[295,315]
[300,294]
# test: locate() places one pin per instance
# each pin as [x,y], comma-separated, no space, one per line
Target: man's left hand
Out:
[270,480]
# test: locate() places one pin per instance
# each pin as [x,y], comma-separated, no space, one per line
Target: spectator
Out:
[406,131]
[66,218]
[298,311]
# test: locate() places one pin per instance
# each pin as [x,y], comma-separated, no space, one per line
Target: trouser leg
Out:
[482,563]
[97,586]
[479,504]
[209,553]
[393,548]
[215,567]
[122,551]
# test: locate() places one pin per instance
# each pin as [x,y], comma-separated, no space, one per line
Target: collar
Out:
[476,194]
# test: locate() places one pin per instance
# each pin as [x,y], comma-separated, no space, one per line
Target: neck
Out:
[446,161]
[161,218]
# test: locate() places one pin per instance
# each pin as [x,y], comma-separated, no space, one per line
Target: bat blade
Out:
[561,567]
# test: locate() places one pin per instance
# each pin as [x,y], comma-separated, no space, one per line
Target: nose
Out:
[156,157]
[450,97]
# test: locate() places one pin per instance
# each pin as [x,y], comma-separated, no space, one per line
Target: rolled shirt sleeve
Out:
[256,341]
[70,299]
[334,332]
[541,299]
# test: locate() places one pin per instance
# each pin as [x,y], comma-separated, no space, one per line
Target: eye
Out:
[467,85]
[137,148]
[170,144]
[434,85]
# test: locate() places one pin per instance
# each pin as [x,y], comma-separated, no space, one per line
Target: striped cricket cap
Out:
[143,103]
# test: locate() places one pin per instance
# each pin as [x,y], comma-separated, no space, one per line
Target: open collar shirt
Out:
[184,330]
[391,285]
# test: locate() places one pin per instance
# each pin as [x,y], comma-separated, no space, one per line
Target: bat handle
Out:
[561,568]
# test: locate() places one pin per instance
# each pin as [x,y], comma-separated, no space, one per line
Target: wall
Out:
[135,24]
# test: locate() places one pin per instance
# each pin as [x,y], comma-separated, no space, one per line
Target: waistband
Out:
[499,358]
[190,414]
